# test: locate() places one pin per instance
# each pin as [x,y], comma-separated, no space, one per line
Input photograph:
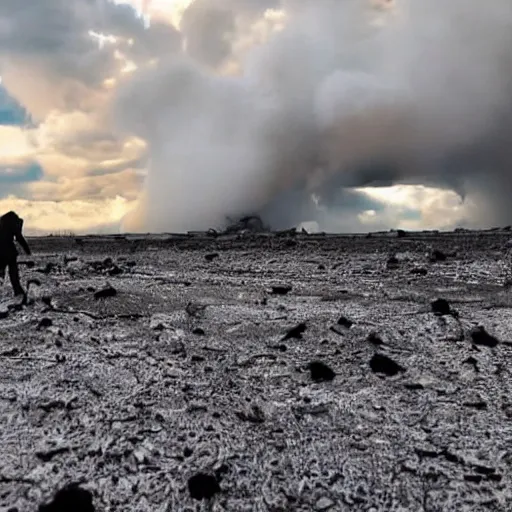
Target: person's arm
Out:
[21,240]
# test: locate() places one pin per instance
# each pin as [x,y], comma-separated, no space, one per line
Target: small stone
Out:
[45,322]
[198,331]
[106,292]
[374,339]
[419,271]
[436,256]
[381,363]
[392,263]
[211,257]
[481,337]
[320,372]
[71,497]
[295,332]
[203,486]
[281,289]
[324,504]
[345,322]
[441,307]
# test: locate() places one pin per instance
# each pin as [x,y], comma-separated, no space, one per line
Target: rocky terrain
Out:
[269,372]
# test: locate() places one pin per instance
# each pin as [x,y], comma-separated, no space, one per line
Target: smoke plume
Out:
[280,107]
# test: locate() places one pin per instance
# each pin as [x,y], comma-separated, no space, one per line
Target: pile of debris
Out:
[247,224]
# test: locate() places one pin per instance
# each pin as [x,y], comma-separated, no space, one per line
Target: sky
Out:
[84,144]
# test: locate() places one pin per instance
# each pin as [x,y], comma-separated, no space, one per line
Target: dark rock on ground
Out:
[211,256]
[481,337]
[203,486]
[437,255]
[253,415]
[198,331]
[44,322]
[281,289]
[320,372]
[441,307]
[381,363]
[393,262]
[374,339]
[108,291]
[345,322]
[419,271]
[71,498]
[295,332]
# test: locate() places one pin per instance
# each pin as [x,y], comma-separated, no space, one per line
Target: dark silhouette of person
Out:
[11,229]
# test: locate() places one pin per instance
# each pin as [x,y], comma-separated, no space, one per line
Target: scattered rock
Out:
[281,289]
[374,339]
[481,337]
[295,332]
[324,504]
[50,267]
[345,322]
[419,271]
[253,415]
[194,309]
[393,262]
[203,486]
[211,257]
[106,292]
[70,498]
[436,256]
[473,362]
[381,363]
[320,372]
[198,331]
[45,322]
[441,307]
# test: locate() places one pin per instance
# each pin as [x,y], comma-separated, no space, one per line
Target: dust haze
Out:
[286,108]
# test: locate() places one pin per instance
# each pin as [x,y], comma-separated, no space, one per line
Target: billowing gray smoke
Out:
[345,95]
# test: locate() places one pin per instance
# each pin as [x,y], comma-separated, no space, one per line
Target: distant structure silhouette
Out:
[11,226]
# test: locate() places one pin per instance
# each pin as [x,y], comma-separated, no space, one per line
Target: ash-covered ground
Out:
[196,365]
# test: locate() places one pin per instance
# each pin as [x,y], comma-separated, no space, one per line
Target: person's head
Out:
[11,221]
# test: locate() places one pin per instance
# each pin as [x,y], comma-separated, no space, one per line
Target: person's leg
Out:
[15,277]
[2,271]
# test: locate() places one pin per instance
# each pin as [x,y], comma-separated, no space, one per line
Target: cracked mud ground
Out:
[186,370]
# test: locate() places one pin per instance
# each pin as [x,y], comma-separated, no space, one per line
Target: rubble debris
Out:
[108,291]
[203,486]
[194,309]
[473,362]
[71,497]
[254,415]
[437,255]
[441,307]
[320,372]
[381,363]
[248,223]
[210,257]
[481,337]
[47,269]
[283,289]
[295,332]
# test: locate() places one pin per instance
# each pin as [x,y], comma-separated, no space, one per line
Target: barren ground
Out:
[126,396]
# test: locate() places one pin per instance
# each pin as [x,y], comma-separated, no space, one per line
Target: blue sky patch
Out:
[11,112]
[19,175]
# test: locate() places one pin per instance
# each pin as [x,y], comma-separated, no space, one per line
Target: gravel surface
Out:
[259,373]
